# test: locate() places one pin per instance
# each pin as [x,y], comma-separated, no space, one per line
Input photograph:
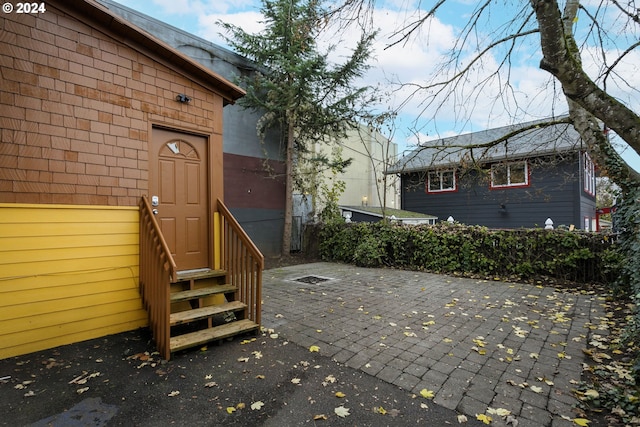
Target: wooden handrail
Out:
[173,270]
[243,263]
[157,271]
[242,235]
[241,259]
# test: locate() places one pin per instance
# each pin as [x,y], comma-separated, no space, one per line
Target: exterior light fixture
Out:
[181,97]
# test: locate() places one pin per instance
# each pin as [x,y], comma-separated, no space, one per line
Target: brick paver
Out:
[475,343]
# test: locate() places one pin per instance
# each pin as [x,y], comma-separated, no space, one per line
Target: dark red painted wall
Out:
[248,183]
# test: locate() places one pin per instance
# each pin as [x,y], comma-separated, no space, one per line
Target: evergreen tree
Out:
[298,91]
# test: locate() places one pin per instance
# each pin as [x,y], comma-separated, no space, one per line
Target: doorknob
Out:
[155,211]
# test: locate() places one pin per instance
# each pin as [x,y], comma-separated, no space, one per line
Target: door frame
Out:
[214,170]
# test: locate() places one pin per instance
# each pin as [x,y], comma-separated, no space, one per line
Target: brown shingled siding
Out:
[76,109]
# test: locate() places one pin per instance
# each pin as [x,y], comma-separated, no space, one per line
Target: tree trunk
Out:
[561,58]
[288,205]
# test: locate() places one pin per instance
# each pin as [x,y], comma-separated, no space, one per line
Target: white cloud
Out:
[249,21]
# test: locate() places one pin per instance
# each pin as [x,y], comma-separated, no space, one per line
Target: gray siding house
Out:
[532,174]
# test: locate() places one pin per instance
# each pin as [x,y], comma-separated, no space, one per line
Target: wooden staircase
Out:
[204,308]
[190,308]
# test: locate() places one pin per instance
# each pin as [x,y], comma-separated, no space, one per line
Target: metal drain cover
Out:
[311,280]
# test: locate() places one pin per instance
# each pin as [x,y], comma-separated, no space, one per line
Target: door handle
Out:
[155,211]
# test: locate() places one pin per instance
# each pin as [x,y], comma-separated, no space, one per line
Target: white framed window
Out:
[588,174]
[514,174]
[441,181]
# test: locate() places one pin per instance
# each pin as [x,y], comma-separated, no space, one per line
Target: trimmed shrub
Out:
[473,250]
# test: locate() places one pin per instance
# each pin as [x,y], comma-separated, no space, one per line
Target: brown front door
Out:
[178,171]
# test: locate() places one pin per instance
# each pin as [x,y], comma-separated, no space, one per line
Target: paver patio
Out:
[475,343]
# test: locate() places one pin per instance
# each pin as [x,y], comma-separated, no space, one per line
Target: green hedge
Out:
[473,250]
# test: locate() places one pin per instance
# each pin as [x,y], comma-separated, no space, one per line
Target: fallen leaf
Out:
[211,384]
[257,354]
[501,412]
[462,419]
[240,405]
[582,422]
[341,411]
[427,394]
[340,394]
[314,349]
[319,417]
[82,390]
[173,393]
[257,405]
[295,380]
[618,411]
[243,359]
[484,418]
[536,389]
[593,394]
[380,410]
[230,409]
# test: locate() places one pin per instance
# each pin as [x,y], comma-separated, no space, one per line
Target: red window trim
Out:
[448,190]
[503,187]
[585,187]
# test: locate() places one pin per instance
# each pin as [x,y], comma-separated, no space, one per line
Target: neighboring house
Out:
[370,153]
[374,214]
[364,178]
[540,173]
[96,114]
[255,170]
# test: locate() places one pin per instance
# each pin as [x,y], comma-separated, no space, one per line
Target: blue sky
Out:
[531,93]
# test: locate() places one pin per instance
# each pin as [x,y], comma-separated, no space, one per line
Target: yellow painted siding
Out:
[67,274]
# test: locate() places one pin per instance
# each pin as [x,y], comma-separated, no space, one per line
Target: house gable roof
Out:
[525,140]
[96,14]
[179,38]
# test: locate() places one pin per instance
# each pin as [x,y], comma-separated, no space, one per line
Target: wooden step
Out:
[204,312]
[201,273]
[193,339]
[201,292]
